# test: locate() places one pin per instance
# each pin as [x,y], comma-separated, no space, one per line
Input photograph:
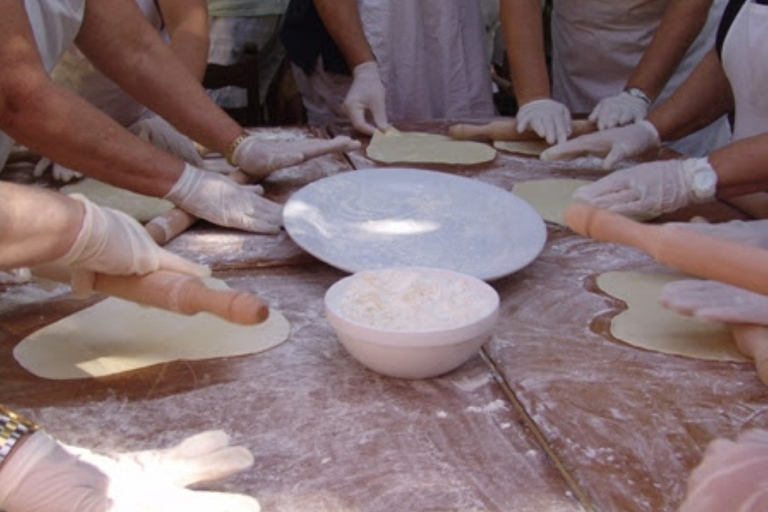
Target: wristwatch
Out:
[701,177]
[638,93]
[12,428]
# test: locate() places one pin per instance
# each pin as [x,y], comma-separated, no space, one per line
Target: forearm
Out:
[342,20]
[186,22]
[523,31]
[742,166]
[681,24]
[703,98]
[36,225]
[119,41]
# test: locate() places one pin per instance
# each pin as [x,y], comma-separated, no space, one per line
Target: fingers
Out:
[357,118]
[752,341]
[175,263]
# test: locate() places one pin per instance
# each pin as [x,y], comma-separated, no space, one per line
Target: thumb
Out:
[175,263]
[614,156]
[357,118]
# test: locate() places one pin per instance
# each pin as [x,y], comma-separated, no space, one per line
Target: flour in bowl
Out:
[411,300]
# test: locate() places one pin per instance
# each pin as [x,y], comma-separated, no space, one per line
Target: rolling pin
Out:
[752,341]
[695,253]
[171,224]
[172,291]
[507,130]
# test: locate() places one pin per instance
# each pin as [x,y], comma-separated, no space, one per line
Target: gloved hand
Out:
[366,94]
[648,190]
[715,301]
[59,172]
[615,145]
[111,242]
[750,232]
[220,200]
[550,119]
[159,132]
[619,110]
[258,157]
[80,480]
[731,476]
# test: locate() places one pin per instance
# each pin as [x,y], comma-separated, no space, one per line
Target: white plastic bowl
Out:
[412,322]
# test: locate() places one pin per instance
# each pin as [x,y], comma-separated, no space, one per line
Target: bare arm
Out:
[742,166]
[681,24]
[36,225]
[187,24]
[704,97]
[523,31]
[342,20]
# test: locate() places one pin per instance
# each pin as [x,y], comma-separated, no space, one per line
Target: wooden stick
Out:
[172,291]
[696,253]
[752,341]
[507,130]
[171,224]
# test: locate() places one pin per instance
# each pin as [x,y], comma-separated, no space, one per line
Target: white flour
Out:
[409,300]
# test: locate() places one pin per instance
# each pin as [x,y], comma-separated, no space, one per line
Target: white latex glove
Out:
[550,119]
[220,200]
[366,94]
[59,172]
[731,476]
[715,301]
[618,110]
[750,232]
[44,476]
[614,145]
[258,157]
[159,132]
[111,242]
[648,190]
[39,475]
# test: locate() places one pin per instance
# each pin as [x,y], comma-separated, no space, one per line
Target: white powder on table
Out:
[409,300]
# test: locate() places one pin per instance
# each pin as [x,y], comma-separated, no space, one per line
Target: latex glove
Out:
[220,200]
[648,190]
[159,132]
[258,157]
[619,110]
[366,94]
[731,476]
[111,242]
[613,145]
[750,232]
[59,172]
[40,475]
[715,301]
[550,119]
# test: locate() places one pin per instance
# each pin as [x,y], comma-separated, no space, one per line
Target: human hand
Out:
[59,172]
[258,157]
[159,132]
[715,301]
[731,476]
[550,119]
[366,94]
[618,110]
[220,200]
[111,242]
[750,232]
[614,145]
[648,190]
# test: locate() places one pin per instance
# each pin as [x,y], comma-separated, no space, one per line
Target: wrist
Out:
[638,93]
[701,178]
[14,430]
[229,151]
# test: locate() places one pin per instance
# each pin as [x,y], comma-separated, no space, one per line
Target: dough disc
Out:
[550,198]
[416,147]
[647,324]
[523,147]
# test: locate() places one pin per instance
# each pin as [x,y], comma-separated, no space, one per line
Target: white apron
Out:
[596,45]
[76,73]
[432,60]
[55,25]
[745,61]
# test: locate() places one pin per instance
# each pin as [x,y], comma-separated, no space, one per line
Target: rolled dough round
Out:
[416,147]
[116,336]
[550,198]
[648,325]
[140,207]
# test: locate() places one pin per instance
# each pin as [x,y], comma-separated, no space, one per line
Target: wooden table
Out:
[552,415]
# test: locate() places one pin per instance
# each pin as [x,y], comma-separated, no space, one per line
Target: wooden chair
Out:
[245,74]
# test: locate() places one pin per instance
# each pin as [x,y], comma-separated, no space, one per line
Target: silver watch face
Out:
[704,183]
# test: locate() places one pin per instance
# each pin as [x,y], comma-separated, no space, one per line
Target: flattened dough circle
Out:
[648,325]
[416,147]
[116,336]
[550,198]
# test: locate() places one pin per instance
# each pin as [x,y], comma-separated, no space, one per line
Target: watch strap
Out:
[12,428]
